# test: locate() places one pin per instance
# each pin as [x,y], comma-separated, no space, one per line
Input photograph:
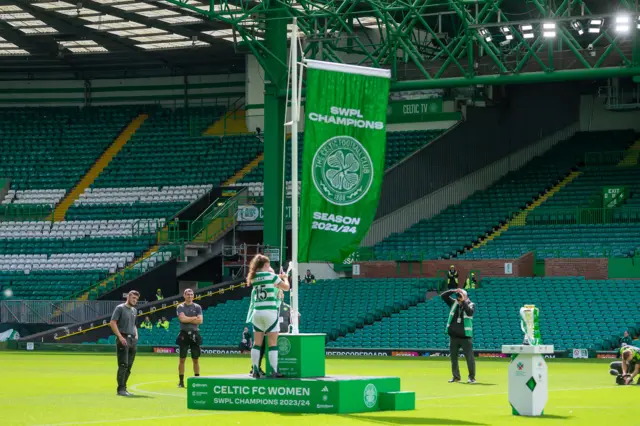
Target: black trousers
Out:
[126,356]
[617,365]
[455,344]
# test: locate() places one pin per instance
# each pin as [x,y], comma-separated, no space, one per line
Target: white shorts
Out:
[266,321]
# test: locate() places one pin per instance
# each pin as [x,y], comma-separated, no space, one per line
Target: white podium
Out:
[528,388]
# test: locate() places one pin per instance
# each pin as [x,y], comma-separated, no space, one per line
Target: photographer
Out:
[627,369]
[460,331]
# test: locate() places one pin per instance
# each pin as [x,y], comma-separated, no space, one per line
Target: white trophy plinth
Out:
[528,386]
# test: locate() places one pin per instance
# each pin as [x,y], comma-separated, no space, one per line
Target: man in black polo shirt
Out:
[123,325]
[460,331]
[190,316]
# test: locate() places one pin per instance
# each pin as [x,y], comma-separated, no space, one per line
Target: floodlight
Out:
[594,25]
[622,23]
[485,33]
[507,33]
[577,26]
[527,31]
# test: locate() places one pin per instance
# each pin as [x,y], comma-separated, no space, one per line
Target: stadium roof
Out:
[95,37]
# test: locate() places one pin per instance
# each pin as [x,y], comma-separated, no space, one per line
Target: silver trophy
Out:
[529,325]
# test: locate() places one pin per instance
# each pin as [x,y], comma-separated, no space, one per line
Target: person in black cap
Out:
[123,325]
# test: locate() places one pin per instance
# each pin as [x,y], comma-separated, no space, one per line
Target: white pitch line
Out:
[507,393]
[135,388]
[131,419]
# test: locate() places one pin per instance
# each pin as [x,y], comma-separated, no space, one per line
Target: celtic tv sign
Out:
[344,154]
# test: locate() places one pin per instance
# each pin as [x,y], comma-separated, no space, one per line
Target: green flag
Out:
[343,165]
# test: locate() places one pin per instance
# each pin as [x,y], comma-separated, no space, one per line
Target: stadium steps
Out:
[232,123]
[245,170]
[521,218]
[214,230]
[112,277]
[97,168]
[632,155]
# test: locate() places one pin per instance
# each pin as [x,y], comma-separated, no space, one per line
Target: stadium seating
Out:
[134,244]
[457,227]
[48,197]
[52,148]
[47,284]
[574,313]
[335,307]
[604,240]
[589,186]
[165,166]
[163,153]
[223,326]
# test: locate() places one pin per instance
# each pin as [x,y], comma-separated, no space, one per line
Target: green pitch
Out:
[78,389]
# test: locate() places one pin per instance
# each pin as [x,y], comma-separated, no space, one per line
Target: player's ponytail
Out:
[256,264]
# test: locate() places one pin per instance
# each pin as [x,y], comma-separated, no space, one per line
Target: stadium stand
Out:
[159,171]
[335,307]
[565,241]
[589,184]
[51,148]
[163,153]
[392,313]
[459,226]
[595,320]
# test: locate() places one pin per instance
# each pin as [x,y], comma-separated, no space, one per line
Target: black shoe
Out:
[454,380]
[123,393]
[181,385]
[276,375]
[256,375]
[262,373]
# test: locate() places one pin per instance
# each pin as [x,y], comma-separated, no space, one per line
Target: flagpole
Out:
[294,175]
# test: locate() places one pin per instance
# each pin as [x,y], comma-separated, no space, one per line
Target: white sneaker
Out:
[471,381]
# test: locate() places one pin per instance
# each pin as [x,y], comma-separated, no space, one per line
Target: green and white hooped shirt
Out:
[266,291]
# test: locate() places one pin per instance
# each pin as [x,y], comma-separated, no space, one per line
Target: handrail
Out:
[200,230]
[233,107]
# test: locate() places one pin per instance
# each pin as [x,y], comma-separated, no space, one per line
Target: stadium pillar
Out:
[274,116]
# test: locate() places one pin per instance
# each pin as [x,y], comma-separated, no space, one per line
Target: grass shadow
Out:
[553,417]
[140,396]
[484,384]
[412,420]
